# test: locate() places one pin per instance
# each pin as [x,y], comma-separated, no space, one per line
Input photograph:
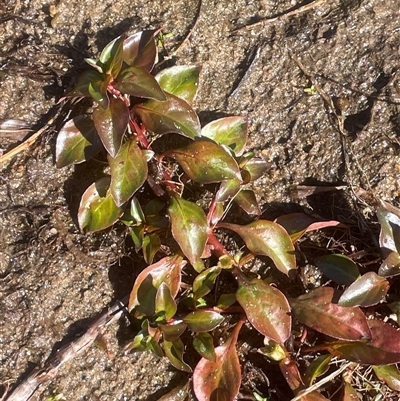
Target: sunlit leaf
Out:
[297,224]
[128,171]
[174,352]
[339,268]
[273,350]
[143,341]
[256,167]
[172,332]
[390,266]
[266,308]
[246,199]
[138,82]
[368,290]
[171,115]
[317,311]
[204,282]
[97,209]
[382,349]
[140,50]
[111,124]
[77,142]
[137,234]
[95,64]
[188,227]
[97,89]
[229,131]
[151,245]
[81,87]
[203,343]
[317,367]
[165,303]
[389,374]
[389,238]
[180,80]
[111,57]
[168,271]
[137,211]
[201,321]
[179,393]
[219,379]
[228,189]
[264,237]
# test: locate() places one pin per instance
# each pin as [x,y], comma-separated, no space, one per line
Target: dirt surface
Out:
[320,86]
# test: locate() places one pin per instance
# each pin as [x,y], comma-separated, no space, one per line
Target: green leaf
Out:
[172,332]
[97,89]
[168,271]
[229,131]
[203,343]
[226,300]
[136,211]
[390,266]
[317,367]
[317,311]
[201,321]
[264,237]
[172,115]
[206,162]
[97,209]
[188,227]
[246,199]
[180,80]
[339,268]
[139,50]
[349,393]
[95,64]
[81,87]
[266,308]
[204,282]
[165,303]
[138,82]
[389,374]
[174,352]
[137,234]
[77,142]
[128,171]
[382,349]
[151,245]
[111,56]
[219,379]
[111,124]
[368,290]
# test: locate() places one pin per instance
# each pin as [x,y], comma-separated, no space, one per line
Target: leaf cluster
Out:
[149,192]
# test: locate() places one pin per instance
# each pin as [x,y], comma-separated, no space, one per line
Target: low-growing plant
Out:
[153,185]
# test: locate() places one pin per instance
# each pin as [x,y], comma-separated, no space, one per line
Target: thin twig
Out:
[319,384]
[40,376]
[291,13]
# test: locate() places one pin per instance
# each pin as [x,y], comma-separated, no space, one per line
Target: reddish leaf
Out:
[339,268]
[128,171]
[206,162]
[246,199]
[292,374]
[189,228]
[174,352]
[77,142]
[266,308]
[167,270]
[171,115]
[256,167]
[97,209]
[389,374]
[227,190]
[317,311]
[229,131]
[389,238]
[201,321]
[264,237]
[349,394]
[297,224]
[111,124]
[368,290]
[219,379]
[390,266]
[138,82]
[180,80]
[382,349]
[140,50]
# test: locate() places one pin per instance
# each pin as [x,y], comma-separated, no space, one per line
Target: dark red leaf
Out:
[140,50]
[246,199]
